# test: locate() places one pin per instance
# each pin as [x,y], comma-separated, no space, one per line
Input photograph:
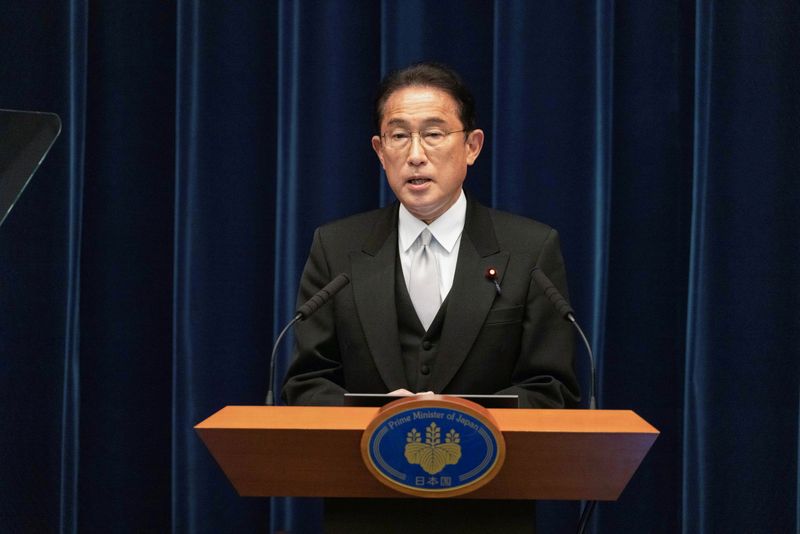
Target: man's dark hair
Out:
[428,74]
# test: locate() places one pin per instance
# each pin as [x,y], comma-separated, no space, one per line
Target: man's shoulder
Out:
[359,226]
[514,227]
[358,220]
[513,220]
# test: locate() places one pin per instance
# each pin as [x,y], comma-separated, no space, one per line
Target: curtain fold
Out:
[156,254]
[183,454]
[603,172]
[694,482]
[75,128]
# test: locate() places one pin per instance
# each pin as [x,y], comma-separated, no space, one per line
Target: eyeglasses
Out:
[430,138]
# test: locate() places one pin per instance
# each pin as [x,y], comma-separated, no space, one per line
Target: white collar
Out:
[446,229]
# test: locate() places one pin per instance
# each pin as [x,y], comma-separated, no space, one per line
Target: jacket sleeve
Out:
[544,375]
[315,376]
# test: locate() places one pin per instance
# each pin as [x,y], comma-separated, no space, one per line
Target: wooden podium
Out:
[295,451]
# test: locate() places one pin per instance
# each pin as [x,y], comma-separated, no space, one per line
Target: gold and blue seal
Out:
[433,446]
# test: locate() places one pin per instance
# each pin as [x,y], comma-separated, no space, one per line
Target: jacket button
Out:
[424,369]
[427,345]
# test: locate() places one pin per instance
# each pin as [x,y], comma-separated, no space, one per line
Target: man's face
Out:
[427,180]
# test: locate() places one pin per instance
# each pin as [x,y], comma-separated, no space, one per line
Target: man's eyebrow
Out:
[402,122]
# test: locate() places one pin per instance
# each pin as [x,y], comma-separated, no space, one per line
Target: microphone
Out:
[304,312]
[566,311]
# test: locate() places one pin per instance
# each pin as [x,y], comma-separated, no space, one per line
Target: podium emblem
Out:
[433,455]
[433,446]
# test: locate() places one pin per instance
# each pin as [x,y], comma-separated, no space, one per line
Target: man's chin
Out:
[425,212]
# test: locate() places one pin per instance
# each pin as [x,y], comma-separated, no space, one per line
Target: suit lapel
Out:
[471,296]
[373,281]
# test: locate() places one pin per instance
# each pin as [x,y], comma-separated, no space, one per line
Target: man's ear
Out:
[474,145]
[377,146]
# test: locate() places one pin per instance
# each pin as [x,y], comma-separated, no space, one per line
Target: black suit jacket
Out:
[511,343]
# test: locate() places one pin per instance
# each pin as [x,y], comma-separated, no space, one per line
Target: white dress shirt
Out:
[446,231]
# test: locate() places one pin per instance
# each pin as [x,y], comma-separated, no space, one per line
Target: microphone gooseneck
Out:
[270,400]
[303,312]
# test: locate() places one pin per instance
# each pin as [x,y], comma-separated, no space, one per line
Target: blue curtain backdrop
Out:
[147,268]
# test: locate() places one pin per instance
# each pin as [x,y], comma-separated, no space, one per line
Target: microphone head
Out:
[555,296]
[338,283]
[323,296]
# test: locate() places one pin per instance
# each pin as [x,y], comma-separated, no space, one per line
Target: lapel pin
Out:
[491,274]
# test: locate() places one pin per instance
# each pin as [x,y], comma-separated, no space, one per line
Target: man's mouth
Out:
[418,180]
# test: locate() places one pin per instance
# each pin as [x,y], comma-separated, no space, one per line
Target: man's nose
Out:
[416,152]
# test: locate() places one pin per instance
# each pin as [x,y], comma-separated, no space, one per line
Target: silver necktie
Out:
[423,282]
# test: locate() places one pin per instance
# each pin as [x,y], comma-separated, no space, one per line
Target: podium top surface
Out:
[356,418]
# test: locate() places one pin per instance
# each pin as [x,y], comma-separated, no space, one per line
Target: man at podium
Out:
[441,298]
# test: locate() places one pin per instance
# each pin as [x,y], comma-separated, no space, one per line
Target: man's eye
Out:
[433,135]
[399,136]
